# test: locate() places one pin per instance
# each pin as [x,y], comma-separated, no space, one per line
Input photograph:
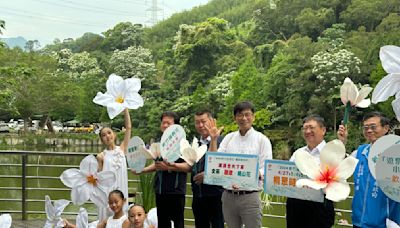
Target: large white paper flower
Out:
[350,93]
[53,212]
[192,154]
[390,84]
[82,220]
[120,94]
[331,174]
[87,183]
[5,221]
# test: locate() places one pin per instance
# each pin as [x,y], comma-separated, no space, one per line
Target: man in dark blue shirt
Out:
[206,205]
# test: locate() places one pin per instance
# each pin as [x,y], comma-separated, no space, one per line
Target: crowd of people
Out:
[234,205]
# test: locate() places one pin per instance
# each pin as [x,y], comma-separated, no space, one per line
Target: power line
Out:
[90,10]
[51,19]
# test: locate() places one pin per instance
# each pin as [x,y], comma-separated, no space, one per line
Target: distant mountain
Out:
[15,42]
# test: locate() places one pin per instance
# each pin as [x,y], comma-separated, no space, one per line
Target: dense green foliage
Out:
[288,57]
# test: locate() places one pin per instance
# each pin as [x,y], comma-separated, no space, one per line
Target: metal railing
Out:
[24,188]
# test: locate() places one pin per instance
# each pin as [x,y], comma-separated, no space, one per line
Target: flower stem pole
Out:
[346,113]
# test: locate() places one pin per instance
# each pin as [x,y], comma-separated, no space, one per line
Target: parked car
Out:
[4,127]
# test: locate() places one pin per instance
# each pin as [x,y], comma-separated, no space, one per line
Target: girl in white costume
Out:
[138,218]
[113,159]
[116,201]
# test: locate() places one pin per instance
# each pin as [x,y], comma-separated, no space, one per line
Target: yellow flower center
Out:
[119,99]
[92,180]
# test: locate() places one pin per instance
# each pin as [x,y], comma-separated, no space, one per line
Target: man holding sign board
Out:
[170,183]
[304,213]
[242,206]
[371,207]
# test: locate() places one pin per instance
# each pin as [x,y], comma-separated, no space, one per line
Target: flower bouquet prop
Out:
[390,84]
[331,174]
[351,96]
[120,94]
[192,153]
[53,212]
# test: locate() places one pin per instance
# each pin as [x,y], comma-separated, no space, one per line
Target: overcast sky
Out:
[46,20]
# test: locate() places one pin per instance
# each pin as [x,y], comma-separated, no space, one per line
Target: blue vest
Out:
[370,205]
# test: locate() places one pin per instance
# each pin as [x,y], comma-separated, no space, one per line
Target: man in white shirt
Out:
[303,213]
[242,206]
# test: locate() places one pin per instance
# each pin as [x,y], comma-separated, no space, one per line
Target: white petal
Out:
[396,107]
[5,221]
[73,177]
[59,206]
[337,191]
[99,197]
[363,93]
[364,103]
[306,164]
[113,109]
[48,224]
[390,58]
[82,218]
[310,183]
[348,92]
[183,144]
[103,99]
[332,154]
[133,85]
[115,84]
[200,152]
[147,153]
[386,87]
[133,101]
[189,155]
[89,165]
[106,179]
[155,150]
[195,143]
[346,168]
[81,194]
[50,210]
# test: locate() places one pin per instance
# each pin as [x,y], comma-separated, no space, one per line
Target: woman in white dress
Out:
[113,159]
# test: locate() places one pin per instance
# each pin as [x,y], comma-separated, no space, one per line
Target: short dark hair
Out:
[383,119]
[239,107]
[117,192]
[317,118]
[204,111]
[170,114]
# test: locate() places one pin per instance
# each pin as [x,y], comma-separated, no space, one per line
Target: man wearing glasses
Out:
[371,207]
[242,206]
[304,213]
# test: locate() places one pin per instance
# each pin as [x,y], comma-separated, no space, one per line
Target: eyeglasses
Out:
[311,128]
[246,114]
[373,127]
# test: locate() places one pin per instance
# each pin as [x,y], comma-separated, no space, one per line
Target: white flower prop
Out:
[5,221]
[53,212]
[390,84]
[351,96]
[154,152]
[82,220]
[120,94]
[87,183]
[331,174]
[192,154]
